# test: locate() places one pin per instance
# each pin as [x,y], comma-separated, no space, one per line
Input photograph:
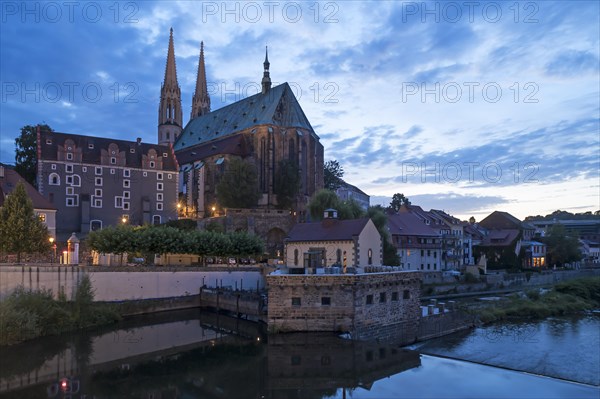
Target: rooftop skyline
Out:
[468,107]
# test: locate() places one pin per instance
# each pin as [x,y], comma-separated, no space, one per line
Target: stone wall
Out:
[366,305]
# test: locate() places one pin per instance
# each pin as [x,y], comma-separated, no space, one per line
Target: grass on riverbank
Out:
[26,314]
[565,298]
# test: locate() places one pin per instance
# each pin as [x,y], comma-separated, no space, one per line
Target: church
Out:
[263,130]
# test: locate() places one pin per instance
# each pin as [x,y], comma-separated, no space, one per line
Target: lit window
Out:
[42,217]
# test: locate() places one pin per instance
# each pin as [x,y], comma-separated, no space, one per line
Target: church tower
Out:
[170,121]
[200,100]
[266,80]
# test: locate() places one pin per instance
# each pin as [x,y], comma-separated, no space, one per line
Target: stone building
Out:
[95,182]
[264,129]
[313,247]
[367,305]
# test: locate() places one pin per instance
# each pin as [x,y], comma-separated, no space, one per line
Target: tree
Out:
[332,175]
[26,152]
[238,187]
[21,230]
[561,248]
[287,184]
[379,217]
[323,199]
[398,200]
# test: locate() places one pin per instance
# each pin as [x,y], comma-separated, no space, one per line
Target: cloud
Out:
[573,63]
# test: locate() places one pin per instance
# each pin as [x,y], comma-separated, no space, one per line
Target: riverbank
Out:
[571,297]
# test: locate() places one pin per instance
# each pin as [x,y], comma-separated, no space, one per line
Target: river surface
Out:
[192,354]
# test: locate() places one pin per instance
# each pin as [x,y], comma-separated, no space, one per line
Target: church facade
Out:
[264,130]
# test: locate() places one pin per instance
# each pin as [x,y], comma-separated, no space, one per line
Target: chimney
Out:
[139,140]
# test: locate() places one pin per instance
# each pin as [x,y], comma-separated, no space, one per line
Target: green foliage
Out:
[398,200]
[26,152]
[350,209]
[564,215]
[287,184]
[113,239]
[561,248]
[238,187]
[332,175]
[323,199]
[586,288]
[244,244]
[214,226]
[21,231]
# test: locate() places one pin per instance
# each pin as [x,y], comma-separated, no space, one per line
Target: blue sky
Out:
[468,107]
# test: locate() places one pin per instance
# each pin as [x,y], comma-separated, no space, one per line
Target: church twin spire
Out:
[170,121]
[200,100]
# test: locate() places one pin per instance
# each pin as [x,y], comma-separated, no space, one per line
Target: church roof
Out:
[278,107]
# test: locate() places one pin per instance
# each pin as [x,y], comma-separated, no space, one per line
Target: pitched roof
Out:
[500,220]
[327,230]
[277,107]
[500,237]
[93,155]
[9,182]
[232,145]
[407,224]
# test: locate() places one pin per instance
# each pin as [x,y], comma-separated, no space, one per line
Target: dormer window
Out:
[91,146]
[69,156]
[113,160]
[48,141]
[165,155]
[152,164]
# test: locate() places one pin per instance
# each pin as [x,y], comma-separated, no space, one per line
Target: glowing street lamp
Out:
[51,239]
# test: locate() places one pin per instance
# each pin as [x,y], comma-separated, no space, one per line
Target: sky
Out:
[465,106]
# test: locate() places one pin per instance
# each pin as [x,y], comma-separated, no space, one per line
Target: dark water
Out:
[198,355]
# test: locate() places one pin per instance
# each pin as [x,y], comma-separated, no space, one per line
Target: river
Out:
[191,354]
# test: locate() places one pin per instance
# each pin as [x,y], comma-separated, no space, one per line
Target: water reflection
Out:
[202,355]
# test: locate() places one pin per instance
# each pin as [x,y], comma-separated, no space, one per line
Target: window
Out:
[145,174]
[126,194]
[70,180]
[98,192]
[69,156]
[95,225]
[165,155]
[118,202]
[113,160]
[126,172]
[422,266]
[69,168]
[394,296]
[53,166]
[54,179]
[97,203]
[84,168]
[406,294]
[71,201]
[169,176]
[382,297]
[370,253]
[159,196]
[75,180]
[159,186]
[369,299]
[422,252]
[296,301]
[325,301]
[152,163]
[126,205]
[112,171]
[156,219]
[338,256]
[42,217]
[48,141]
[70,191]
[98,181]
[91,147]
[428,252]
[126,183]
[98,170]
[132,150]
[159,176]
[159,206]
[434,254]
[428,266]
[295,257]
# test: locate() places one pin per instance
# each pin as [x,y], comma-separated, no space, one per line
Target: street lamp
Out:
[51,239]
[124,220]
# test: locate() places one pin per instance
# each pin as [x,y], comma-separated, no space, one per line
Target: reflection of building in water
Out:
[325,363]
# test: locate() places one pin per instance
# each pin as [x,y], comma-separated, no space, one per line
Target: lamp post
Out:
[51,239]
[179,209]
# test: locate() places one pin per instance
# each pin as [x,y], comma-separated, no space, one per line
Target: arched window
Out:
[338,256]
[156,219]
[54,179]
[295,257]
[76,181]
[370,253]
[292,150]
[95,225]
